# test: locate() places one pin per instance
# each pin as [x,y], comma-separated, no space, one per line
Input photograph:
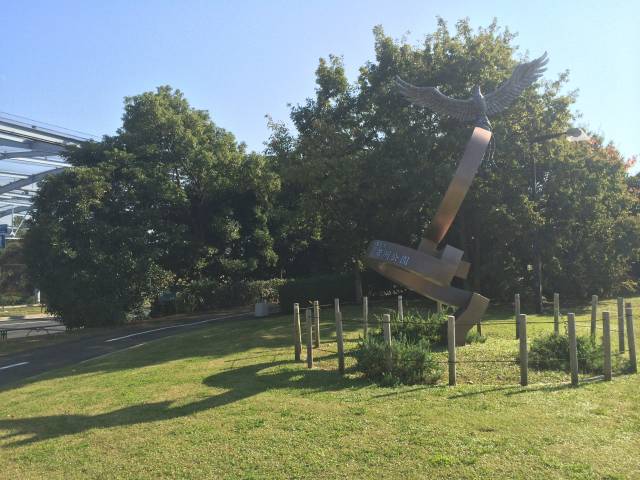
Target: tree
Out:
[170,199]
[366,164]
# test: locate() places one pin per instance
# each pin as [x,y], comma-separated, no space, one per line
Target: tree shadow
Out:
[219,339]
[239,383]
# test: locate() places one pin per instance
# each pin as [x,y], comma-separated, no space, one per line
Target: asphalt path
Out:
[22,365]
[23,327]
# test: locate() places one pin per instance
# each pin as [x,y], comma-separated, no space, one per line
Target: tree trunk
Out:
[358,278]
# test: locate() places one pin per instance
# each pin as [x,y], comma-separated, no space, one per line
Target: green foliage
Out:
[411,362]
[474,337]
[324,288]
[362,163]
[411,358]
[92,271]
[15,286]
[170,199]
[551,352]
[416,327]
[208,294]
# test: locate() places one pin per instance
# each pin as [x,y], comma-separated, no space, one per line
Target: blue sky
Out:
[71,63]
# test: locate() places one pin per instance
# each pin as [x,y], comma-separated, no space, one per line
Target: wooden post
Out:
[386,328]
[439,307]
[297,334]
[594,314]
[400,309]
[365,315]
[386,331]
[556,313]
[631,339]
[621,324]
[606,345]
[479,328]
[316,322]
[516,304]
[573,349]
[524,352]
[309,326]
[451,343]
[340,341]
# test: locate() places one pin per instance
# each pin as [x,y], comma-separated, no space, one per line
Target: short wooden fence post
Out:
[386,331]
[516,304]
[400,308]
[297,334]
[556,313]
[451,343]
[594,314]
[631,339]
[386,328]
[316,321]
[606,345]
[365,315]
[309,325]
[439,307]
[524,352]
[573,349]
[621,324]
[340,342]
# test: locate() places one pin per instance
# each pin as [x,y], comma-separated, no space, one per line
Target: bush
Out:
[474,337]
[323,288]
[208,294]
[411,363]
[416,327]
[551,352]
[8,299]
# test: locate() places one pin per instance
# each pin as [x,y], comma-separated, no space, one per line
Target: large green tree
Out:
[171,198]
[363,163]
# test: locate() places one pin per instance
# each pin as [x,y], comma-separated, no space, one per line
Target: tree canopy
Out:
[362,163]
[172,199]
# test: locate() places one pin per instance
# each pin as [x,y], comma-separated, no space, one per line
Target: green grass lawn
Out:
[10,311]
[229,402]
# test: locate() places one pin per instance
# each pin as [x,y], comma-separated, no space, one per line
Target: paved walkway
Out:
[22,365]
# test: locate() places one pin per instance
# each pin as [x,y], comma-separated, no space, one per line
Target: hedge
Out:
[323,288]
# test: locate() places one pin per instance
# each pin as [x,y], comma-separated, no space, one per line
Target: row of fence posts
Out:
[312,324]
[621,307]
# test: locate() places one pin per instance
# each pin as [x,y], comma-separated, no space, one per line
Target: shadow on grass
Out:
[235,339]
[238,383]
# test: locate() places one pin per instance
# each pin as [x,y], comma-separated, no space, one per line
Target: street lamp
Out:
[572,135]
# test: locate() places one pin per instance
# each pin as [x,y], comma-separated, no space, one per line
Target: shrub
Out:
[323,288]
[206,294]
[551,352]
[474,337]
[411,363]
[415,327]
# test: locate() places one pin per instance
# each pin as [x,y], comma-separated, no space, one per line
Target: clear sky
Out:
[71,62]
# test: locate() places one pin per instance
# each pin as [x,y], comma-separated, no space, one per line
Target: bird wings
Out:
[467,110]
[523,76]
[435,100]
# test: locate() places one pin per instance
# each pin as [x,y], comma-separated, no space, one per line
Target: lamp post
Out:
[572,135]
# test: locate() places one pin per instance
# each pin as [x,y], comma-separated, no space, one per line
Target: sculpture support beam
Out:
[427,270]
[458,188]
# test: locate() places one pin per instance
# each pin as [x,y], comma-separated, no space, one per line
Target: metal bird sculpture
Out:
[478,106]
